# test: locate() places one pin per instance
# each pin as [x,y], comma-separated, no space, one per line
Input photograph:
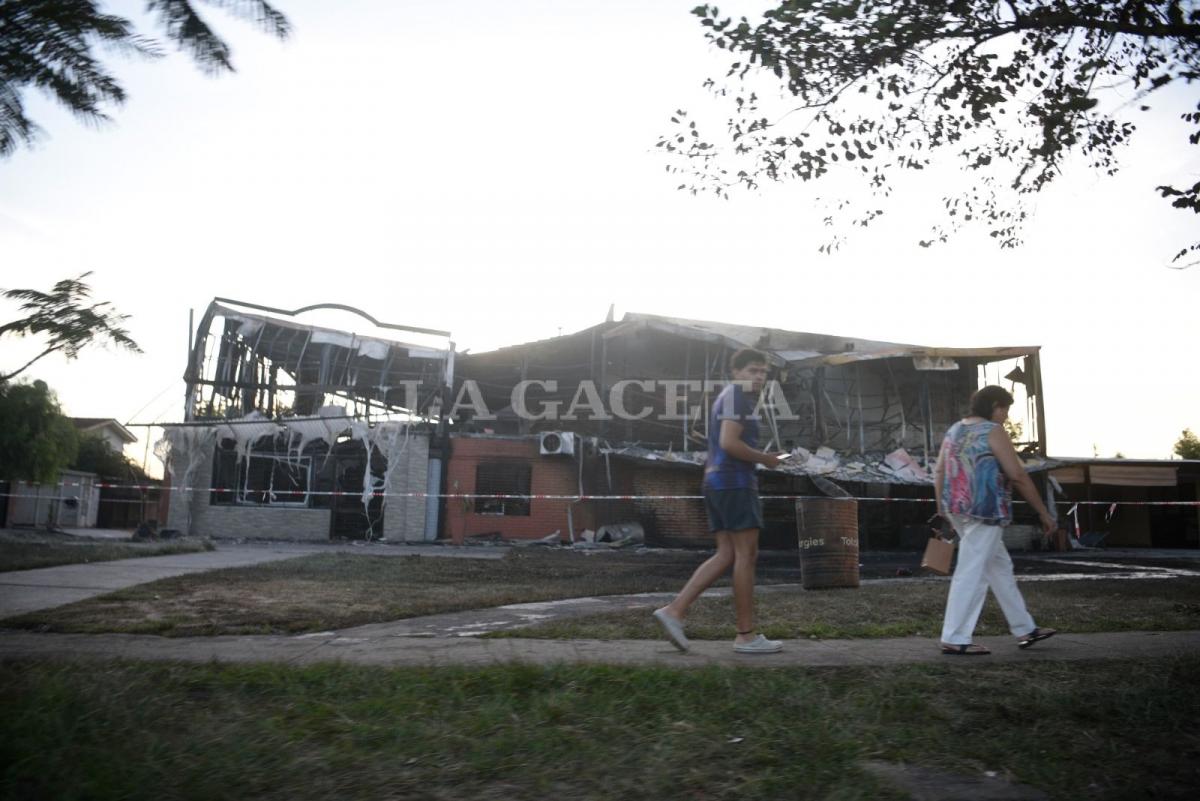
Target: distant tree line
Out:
[1188,445]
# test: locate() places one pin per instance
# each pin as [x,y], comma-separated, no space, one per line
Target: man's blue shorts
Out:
[732,509]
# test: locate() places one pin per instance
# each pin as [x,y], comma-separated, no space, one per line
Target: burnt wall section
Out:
[362,483]
[515,465]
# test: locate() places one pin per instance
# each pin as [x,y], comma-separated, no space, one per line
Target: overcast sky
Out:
[489,168]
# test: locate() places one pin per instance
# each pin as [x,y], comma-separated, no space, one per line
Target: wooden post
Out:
[604,384]
[687,369]
[862,434]
[927,415]
[819,414]
[523,423]
[1033,366]
[1087,484]
[190,374]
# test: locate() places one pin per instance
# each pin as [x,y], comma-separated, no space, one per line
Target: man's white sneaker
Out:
[759,645]
[673,629]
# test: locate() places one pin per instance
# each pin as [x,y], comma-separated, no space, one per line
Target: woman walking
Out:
[734,510]
[972,478]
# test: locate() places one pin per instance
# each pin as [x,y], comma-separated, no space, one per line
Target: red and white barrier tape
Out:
[541,497]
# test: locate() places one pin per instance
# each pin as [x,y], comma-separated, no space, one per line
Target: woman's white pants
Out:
[983,562]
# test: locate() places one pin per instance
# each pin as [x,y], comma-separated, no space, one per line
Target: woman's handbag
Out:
[939,553]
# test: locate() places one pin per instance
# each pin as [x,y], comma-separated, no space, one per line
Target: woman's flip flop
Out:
[1034,636]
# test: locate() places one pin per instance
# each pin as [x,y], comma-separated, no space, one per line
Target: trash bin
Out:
[828,535]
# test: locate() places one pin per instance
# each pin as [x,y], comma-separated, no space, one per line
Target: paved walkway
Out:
[453,638]
[359,647]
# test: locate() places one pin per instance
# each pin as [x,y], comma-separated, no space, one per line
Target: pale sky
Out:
[489,168]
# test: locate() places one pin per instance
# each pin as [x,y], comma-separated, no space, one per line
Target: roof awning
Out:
[929,357]
[1119,475]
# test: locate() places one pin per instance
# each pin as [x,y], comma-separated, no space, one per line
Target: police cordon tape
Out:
[534,497]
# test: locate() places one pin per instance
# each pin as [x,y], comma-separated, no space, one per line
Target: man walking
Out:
[734,510]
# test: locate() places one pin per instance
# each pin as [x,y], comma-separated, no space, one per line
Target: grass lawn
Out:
[909,608]
[332,591]
[26,550]
[110,730]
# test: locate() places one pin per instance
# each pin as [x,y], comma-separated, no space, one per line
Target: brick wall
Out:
[404,518]
[667,523]
[550,475]
[684,523]
[261,522]
[670,523]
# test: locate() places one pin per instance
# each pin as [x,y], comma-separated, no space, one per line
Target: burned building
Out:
[299,431]
[867,414]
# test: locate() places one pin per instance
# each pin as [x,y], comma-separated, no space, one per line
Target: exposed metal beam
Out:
[340,307]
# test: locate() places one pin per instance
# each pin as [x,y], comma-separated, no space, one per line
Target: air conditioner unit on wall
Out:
[555,443]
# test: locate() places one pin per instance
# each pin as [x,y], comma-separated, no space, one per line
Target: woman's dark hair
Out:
[745,356]
[988,398]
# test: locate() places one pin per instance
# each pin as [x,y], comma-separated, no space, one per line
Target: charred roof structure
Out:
[851,395]
[247,358]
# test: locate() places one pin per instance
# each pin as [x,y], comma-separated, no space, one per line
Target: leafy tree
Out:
[36,440]
[51,45]
[1188,445]
[1008,89]
[96,456]
[63,316]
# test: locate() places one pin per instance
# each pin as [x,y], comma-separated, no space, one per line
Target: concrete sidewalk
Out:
[24,591]
[357,648]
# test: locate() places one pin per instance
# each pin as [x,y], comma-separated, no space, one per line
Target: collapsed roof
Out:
[263,359]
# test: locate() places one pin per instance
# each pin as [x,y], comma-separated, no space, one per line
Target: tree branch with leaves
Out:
[65,318]
[880,88]
[52,46]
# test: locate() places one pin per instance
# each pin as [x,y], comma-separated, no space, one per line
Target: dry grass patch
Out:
[28,550]
[332,591]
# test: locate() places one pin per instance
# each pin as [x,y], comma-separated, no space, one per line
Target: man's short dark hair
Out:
[988,398]
[745,356]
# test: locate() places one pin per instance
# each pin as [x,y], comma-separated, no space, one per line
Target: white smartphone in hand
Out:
[783,457]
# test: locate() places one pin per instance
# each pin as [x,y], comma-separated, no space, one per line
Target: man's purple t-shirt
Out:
[722,471]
